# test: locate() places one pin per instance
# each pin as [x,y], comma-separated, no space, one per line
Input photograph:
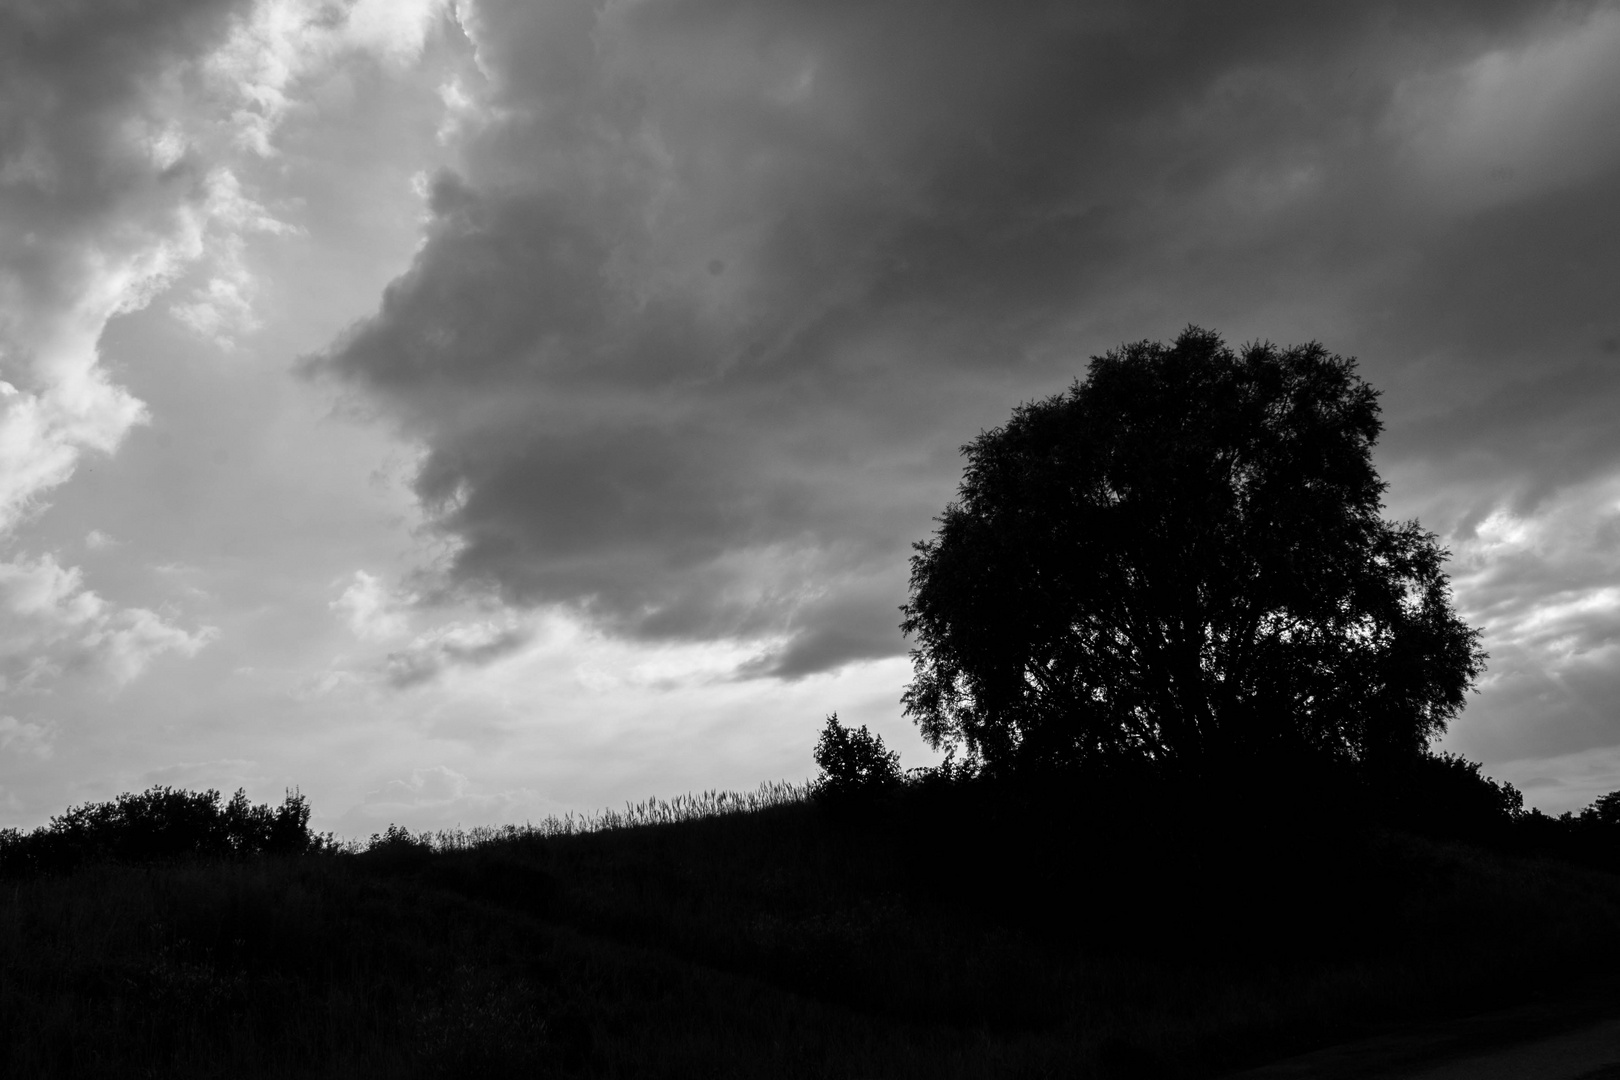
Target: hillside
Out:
[927,933]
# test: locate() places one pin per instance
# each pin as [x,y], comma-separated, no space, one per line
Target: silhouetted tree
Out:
[1183,557]
[1604,811]
[163,823]
[1444,795]
[853,761]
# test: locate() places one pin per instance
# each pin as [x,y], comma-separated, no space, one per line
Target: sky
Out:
[471,410]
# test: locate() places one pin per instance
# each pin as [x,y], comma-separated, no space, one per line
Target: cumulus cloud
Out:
[221,308]
[103,202]
[98,210]
[54,625]
[277,43]
[718,289]
[371,609]
[113,184]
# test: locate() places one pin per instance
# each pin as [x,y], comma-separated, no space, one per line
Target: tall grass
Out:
[653,811]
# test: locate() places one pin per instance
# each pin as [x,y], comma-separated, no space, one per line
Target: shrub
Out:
[1604,812]
[1444,795]
[854,761]
[399,838]
[161,824]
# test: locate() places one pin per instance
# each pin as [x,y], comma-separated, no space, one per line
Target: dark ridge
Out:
[933,923]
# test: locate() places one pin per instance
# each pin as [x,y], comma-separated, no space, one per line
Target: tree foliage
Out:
[1180,558]
[853,761]
[163,823]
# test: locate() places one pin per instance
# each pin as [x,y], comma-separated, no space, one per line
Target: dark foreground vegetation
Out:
[935,925]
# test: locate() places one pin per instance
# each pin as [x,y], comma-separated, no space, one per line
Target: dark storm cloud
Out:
[721,287]
[1520,303]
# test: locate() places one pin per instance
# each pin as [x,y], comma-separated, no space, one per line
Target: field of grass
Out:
[931,933]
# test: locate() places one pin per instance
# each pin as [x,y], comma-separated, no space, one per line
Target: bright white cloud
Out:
[1546,578]
[259,70]
[221,308]
[107,197]
[1541,585]
[371,609]
[284,41]
[71,407]
[43,435]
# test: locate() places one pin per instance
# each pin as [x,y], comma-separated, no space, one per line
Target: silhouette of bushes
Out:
[1444,796]
[1591,837]
[1604,813]
[398,848]
[162,824]
[854,762]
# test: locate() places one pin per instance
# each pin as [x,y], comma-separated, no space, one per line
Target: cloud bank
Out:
[103,202]
[717,290]
[123,129]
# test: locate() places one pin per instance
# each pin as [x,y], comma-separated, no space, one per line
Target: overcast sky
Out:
[472,411]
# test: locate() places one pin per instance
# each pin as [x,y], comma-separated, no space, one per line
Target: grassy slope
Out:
[914,940]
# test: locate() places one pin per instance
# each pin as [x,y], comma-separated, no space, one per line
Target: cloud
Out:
[108,191]
[1542,586]
[99,209]
[456,645]
[103,202]
[1522,118]
[278,43]
[436,784]
[850,622]
[717,289]
[122,140]
[371,610]
[376,613]
[221,307]
[55,626]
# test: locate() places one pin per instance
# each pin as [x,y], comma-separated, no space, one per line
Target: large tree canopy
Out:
[1181,558]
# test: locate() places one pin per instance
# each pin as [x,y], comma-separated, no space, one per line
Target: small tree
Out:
[164,823]
[1604,811]
[1179,559]
[853,761]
